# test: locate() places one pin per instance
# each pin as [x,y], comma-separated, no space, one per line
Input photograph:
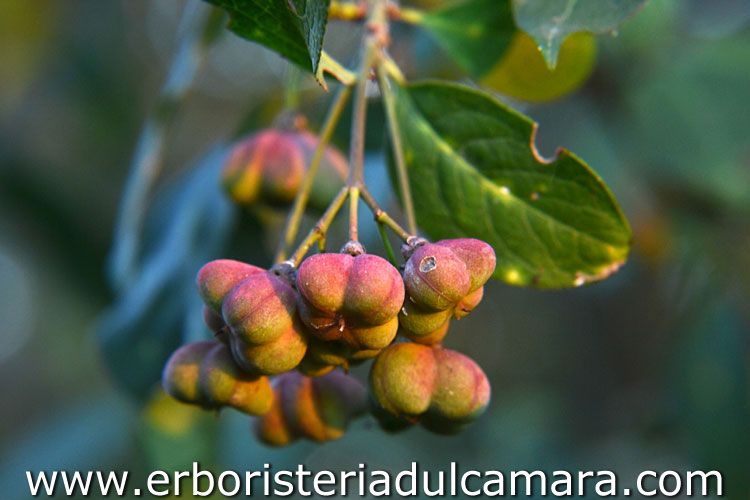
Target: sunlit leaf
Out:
[474,172]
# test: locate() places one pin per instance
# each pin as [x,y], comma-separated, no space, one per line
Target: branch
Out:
[147,160]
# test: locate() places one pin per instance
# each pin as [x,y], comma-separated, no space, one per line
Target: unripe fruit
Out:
[216,324]
[204,373]
[181,375]
[260,308]
[314,408]
[432,338]
[353,299]
[323,356]
[478,256]
[436,278]
[271,164]
[447,276]
[277,356]
[403,379]
[312,368]
[225,384]
[424,327]
[462,392]
[272,429]
[266,335]
[217,277]
[468,303]
[442,389]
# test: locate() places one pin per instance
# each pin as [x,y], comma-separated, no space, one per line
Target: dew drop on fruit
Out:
[427,264]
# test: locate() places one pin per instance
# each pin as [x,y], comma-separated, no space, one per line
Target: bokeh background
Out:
[647,370]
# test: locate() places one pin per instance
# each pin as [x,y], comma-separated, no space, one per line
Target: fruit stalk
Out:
[398,151]
[318,231]
[300,201]
[382,217]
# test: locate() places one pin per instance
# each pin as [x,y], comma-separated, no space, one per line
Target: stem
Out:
[382,217]
[318,232]
[387,244]
[372,45]
[303,195]
[359,117]
[353,205]
[147,160]
[398,151]
[292,79]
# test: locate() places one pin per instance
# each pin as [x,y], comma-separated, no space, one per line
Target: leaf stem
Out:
[328,64]
[303,195]
[398,151]
[387,244]
[292,80]
[319,230]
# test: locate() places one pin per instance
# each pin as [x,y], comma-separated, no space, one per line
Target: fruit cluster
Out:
[333,311]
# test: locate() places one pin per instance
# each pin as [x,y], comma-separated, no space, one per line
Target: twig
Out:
[398,151]
[383,217]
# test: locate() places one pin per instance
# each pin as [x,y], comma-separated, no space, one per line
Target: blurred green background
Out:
[647,370]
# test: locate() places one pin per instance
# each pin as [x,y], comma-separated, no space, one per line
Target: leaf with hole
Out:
[474,172]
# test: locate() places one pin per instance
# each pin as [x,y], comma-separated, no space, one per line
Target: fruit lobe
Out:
[217,277]
[318,409]
[435,278]
[204,374]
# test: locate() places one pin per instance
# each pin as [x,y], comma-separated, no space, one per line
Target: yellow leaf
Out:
[523,74]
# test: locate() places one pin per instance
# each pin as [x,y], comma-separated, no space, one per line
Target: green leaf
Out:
[474,172]
[293,28]
[476,33]
[550,21]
